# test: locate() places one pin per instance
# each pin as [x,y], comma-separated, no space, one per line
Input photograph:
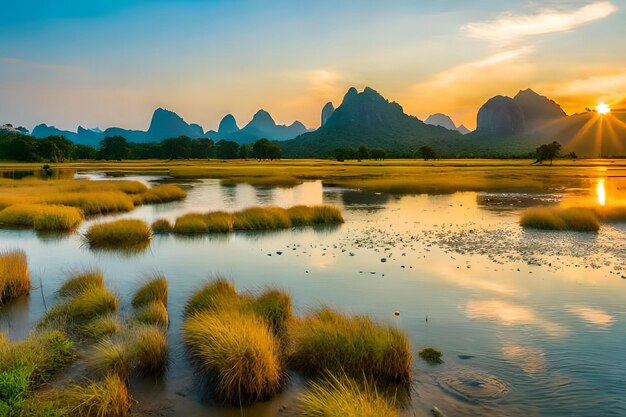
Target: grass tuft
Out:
[42,217]
[14,275]
[343,396]
[431,355]
[153,290]
[154,313]
[162,226]
[89,304]
[160,194]
[275,306]
[149,350]
[119,234]
[106,398]
[101,327]
[261,218]
[110,357]
[210,296]
[356,345]
[191,223]
[81,282]
[578,219]
[239,351]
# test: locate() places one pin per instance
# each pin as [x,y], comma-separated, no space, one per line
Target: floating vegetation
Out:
[14,275]
[343,396]
[431,355]
[119,235]
[331,341]
[580,219]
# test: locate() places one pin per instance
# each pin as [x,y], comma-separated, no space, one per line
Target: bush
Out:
[356,345]
[345,397]
[431,355]
[153,290]
[238,351]
[558,218]
[81,282]
[119,234]
[14,275]
[42,217]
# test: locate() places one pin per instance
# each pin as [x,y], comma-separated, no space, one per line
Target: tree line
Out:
[58,149]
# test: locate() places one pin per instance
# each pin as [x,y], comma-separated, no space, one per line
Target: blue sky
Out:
[111,63]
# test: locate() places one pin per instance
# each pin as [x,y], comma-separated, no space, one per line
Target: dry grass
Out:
[219,222]
[191,223]
[261,218]
[149,350]
[239,351]
[95,202]
[106,398]
[87,305]
[110,357]
[42,217]
[160,194]
[101,327]
[356,345]
[80,282]
[154,289]
[14,275]
[161,226]
[154,313]
[119,234]
[344,397]
[211,297]
[578,219]
[275,306]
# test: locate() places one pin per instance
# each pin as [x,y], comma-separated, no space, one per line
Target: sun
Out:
[603,108]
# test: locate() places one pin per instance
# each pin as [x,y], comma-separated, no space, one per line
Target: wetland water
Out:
[530,323]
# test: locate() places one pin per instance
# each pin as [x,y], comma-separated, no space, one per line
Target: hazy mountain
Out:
[367,118]
[500,115]
[8,128]
[327,111]
[43,130]
[440,119]
[262,125]
[537,109]
[463,130]
[167,124]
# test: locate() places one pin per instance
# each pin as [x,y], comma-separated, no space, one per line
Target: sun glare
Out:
[603,108]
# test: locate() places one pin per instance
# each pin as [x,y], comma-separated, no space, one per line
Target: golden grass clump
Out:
[14,275]
[344,397]
[161,226]
[578,219]
[93,203]
[356,345]
[275,306]
[211,296]
[110,357]
[219,222]
[101,327]
[87,305]
[160,194]
[106,398]
[314,215]
[149,350]
[191,223]
[261,218]
[154,289]
[80,282]
[153,312]
[119,234]
[238,351]
[42,217]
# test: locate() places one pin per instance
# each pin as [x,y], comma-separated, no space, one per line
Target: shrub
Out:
[119,234]
[42,217]
[14,275]
[191,223]
[345,397]
[86,306]
[431,355]
[356,345]
[106,398]
[558,218]
[261,218]
[162,226]
[81,282]
[153,290]
[238,351]
[152,313]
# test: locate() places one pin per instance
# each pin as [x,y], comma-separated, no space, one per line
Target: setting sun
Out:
[603,108]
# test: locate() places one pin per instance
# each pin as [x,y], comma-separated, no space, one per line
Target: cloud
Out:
[509,28]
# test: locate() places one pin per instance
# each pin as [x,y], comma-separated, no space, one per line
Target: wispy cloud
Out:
[509,28]
[40,65]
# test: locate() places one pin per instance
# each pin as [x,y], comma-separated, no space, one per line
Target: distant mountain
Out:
[463,130]
[500,115]
[167,124]
[367,118]
[327,111]
[440,119]
[43,130]
[537,109]
[262,125]
[8,128]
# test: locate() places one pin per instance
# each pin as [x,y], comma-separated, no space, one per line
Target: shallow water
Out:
[530,323]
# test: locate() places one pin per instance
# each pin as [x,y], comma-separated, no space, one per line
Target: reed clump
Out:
[87,305]
[160,194]
[14,275]
[191,223]
[331,341]
[106,398]
[161,226]
[343,396]
[211,297]
[119,234]
[153,312]
[101,327]
[238,351]
[611,213]
[580,219]
[80,282]
[148,350]
[42,217]
[154,289]
[261,218]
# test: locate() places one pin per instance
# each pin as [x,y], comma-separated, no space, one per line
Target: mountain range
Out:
[506,126]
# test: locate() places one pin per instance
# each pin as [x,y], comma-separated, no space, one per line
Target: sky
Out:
[103,63]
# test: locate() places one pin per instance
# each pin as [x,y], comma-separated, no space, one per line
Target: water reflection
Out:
[601,191]
[590,315]
[530,359]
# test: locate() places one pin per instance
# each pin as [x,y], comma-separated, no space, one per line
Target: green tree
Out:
[226,149]
[264,149]
[548,151]
[426,152]
[114,147]
[245,151]
[363,152]
[177,148]
[378,153]
[202,148]
[55,148]
[22,148]
[85,152]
